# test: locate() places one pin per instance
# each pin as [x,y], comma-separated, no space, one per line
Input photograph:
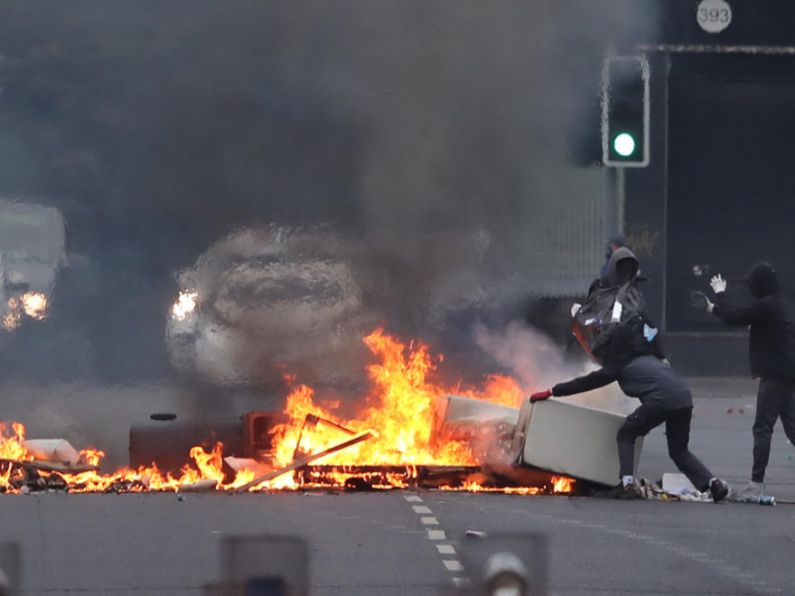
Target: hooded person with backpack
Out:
[614,297]
[772,355]
[621,342]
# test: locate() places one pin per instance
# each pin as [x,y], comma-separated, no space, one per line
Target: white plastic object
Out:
[678,485]
[53,450]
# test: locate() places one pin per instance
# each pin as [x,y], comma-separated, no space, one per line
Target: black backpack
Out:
[604,311]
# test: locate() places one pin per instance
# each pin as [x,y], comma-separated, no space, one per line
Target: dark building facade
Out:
[719,191]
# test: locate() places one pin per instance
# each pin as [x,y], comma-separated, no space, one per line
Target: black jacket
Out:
[772,319]
[640,374]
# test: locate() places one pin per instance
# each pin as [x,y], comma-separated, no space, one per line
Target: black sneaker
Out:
[719,489]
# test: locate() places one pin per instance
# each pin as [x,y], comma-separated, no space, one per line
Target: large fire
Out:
[399,409]
[396,417]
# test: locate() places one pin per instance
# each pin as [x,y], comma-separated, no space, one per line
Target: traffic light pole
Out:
[613,202]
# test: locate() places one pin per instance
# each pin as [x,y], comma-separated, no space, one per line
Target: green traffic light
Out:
[624,144]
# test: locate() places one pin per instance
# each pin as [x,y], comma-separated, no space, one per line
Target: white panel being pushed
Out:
[570,439]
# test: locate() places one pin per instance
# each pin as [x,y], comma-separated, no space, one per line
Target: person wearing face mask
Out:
[771,318]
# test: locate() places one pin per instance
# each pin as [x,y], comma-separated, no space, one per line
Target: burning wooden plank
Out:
[201,486]
[51,466]
[422,476]
[306,459]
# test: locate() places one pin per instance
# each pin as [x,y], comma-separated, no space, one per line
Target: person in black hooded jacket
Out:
[772,355]
[621,278]
[628,357]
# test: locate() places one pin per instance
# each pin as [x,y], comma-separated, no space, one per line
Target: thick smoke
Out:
[430,135]
[532,357]
[539,363]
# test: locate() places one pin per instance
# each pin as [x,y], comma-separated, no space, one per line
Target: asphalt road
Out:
[415,542]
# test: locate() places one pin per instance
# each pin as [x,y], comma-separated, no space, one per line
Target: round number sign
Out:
[714,15]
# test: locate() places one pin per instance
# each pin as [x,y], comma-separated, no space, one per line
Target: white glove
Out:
[575,308]
[718,284]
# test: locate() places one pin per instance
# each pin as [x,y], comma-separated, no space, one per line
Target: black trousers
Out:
[774,400]
[677,431]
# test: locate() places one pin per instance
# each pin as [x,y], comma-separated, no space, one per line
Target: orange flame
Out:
[562,485]
[398,410]
[11,444]
[499,390]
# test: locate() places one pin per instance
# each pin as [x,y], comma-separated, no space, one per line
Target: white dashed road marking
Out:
[453,565]
[446,551]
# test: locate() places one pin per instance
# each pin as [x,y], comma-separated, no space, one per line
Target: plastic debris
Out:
[53,450]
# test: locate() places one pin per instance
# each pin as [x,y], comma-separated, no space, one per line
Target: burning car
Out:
[303,297]
[274,295]
[32,250]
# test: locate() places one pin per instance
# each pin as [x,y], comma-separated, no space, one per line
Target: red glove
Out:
[541,395]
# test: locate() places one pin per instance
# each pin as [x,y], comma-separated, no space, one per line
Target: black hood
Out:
[614,275]
[762,280]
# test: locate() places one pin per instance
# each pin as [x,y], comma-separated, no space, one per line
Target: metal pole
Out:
[613,202]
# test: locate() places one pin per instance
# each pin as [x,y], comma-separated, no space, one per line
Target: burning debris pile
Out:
[397,439]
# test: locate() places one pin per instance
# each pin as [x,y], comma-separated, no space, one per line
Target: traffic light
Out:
[625,111]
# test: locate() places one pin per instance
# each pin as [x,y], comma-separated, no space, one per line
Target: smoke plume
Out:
[431,137]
